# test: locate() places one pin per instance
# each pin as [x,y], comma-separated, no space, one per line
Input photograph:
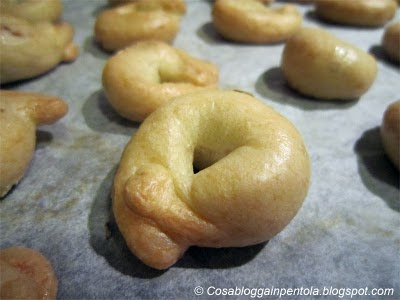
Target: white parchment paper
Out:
[346,235]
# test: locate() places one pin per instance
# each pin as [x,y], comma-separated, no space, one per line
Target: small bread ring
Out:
[302,1]
[180,5]
[390,132]
[356,12]
[318,64]
[20,113]
[33,10]
[30,49]
[138,79]
[125,24]
[26,274]
[391,41]
[250,21]
[254,175]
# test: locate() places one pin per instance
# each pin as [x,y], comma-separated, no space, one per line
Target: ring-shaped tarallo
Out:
[253,175]
[319,64]
[250,21]
[140,78]
[391,41]
[125,24]
[26,274]
[356,12]
[20,114]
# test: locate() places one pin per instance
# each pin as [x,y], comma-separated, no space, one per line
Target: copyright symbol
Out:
[198,290]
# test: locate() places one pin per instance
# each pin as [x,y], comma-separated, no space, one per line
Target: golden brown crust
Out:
[250,21]
[178,6]
[140,78]
[33,10]
[356,12]
[391,41]
[126,24]
[318,64]
[390,132]
[254,175]
[30,49]
[20,113]
[26,274]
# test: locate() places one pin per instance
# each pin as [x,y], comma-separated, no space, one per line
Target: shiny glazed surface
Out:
[20,113]
[30,49]
[317,63]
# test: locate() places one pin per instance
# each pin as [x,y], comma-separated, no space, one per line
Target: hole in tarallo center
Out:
[206,157]
[196,169]
[216,141]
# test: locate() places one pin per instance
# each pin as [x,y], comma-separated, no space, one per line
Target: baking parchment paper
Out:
[346,235]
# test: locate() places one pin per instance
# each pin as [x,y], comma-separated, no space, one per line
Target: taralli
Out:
[391,41]
[180,3]
[250,21]
[253,176]
[390,133]
[356,12]
[126,24]
[140,78]
[302,1]
[30,49]
[26,274]
[20,113]
[318,64]
[33,10]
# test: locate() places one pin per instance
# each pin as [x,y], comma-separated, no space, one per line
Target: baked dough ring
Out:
[180,4]
[356,12]
[33,10]
[20,113]
[26,274]
[318,64]
[30,49]
[391,41]
[125,24]
[138,79]
[254,175]
[250,21]
[390,132]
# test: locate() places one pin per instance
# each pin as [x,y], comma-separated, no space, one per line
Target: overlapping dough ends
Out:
[26,274]
[253,176]
[142,77]
[250,21]
[390,133]
[128,23]
[30,49]
[318,64]
[391,41]
[20,113]
[356,12]
[33,10]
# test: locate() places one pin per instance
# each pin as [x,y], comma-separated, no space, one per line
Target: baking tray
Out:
[346,235]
